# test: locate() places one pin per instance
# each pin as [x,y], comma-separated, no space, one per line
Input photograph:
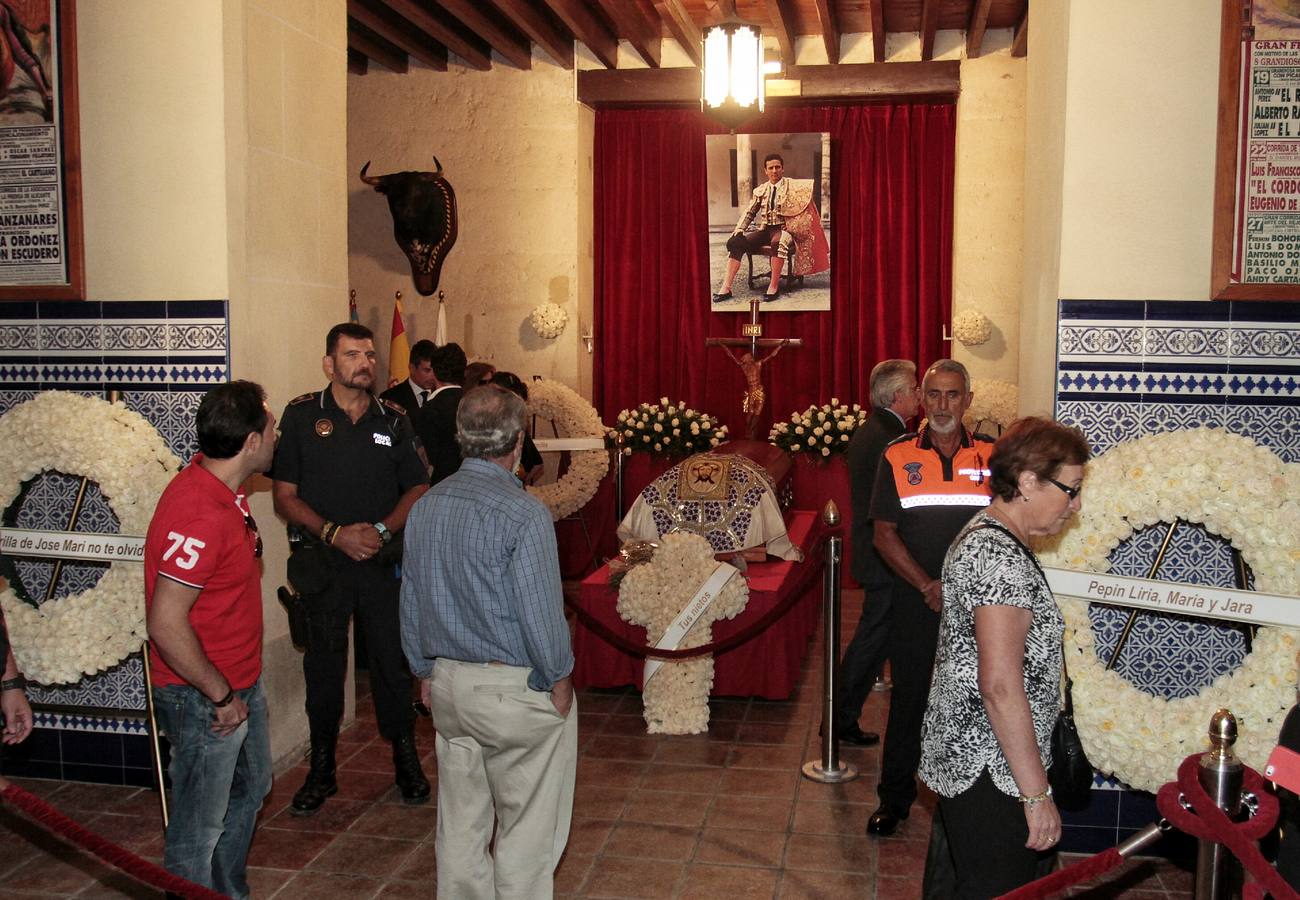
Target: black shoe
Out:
[410,777]
[859,738]
[320,783]
[723,297]
[768,298]
[884,822]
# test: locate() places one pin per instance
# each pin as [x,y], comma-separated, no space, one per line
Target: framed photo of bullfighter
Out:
[41,242]
[769,221]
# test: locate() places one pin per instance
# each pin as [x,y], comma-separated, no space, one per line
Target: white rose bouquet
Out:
[971,327]
[994,401]
[670,429]
[820,431]
[548,320]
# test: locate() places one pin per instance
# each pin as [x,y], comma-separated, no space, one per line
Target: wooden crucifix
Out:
[750,363]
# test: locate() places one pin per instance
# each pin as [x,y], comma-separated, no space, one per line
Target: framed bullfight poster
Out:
[41,247]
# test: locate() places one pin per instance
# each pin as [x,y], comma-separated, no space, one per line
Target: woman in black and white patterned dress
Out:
[995,693]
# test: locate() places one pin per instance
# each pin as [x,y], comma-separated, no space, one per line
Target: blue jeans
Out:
[218,784]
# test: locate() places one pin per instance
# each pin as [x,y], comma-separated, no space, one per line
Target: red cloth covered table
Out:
[765,666]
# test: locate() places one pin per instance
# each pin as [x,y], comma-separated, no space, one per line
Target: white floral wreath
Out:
[994,402]
[971,327]
[548,320]
[1237,490]
[81,634]
[573,417]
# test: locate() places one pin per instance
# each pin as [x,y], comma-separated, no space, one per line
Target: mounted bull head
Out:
[424,219]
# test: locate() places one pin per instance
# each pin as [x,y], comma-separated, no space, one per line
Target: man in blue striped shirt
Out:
[483,624]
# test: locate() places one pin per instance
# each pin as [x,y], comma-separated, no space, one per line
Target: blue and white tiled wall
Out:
[1131,368]
[162,356]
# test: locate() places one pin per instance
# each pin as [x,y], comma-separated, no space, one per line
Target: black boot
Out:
[320,782]
[410,777]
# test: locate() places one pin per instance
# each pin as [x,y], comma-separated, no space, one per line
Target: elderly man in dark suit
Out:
[894,399]
[435,423]
[415,391]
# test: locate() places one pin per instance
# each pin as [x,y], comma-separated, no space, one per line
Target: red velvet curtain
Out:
[891,259]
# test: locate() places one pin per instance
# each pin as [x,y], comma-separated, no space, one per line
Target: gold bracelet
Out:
[1036,799]
[324,532]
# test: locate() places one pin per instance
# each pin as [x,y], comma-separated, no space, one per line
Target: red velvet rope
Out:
[1206,821]
[759,625]
[1061,879]
[52,820]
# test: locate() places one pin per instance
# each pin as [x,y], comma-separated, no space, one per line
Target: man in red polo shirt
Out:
[204,597]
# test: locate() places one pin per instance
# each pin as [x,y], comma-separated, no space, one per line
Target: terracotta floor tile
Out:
[860,790]
[799,885]
[411,823]
[587,837]
[406,890]
[599,802]
[830,852]
[830,818]
[759,783]
[756,813]
[117,885]
[420,866]
[642,841]
[693,779]
[778,712]
[609,772]
[370,786]
[759,756]
[571,874]
[322,885]
[600,702]
[625,726]
[692,754]
[135,833]
[667,808]
[377,756]
[639,878]
[282,790]
[773,733]
[63,876]
[283,849]
[334,816]
[903,859]
[899,888]
[363,854]
[707,882]
[640,749]
[264,882]
[722,710]
[724,730]
[741,847]
[76,799]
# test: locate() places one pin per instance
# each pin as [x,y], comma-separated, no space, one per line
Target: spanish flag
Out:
[399,351]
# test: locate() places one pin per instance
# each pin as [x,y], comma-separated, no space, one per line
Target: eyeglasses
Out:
[251,525]
[1071,492]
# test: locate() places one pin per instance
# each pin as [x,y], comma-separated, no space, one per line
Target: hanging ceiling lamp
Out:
[732,73]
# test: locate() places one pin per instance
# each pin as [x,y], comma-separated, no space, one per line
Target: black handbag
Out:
[1070,774]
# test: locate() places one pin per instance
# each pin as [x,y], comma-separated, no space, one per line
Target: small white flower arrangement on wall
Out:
[971,327]
[548,320]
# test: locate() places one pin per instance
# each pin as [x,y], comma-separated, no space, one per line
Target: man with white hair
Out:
[894,400]
[483,625]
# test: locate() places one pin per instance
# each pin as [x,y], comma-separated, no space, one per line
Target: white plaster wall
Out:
[153,149]
[988,215]
[285,71]
[1137,204]
[516,147]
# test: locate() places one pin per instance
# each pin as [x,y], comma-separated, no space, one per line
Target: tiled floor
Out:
[719,815]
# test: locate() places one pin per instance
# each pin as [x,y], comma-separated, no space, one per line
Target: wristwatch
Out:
[384,534]
[17,683]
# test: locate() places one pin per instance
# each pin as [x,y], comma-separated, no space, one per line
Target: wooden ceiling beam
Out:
[783,26]
[376,49]
[540,29]
[845,81]
[400,33]
[579,19]
[516,48]
[830,31]
[979,21]
[681,26]
[1020,43]
[929,27]
[357,63]
[473,50]
[878,35]
[632,26]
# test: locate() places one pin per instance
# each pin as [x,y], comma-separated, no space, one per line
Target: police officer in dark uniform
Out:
[347,471]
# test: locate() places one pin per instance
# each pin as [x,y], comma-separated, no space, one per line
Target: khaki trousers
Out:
[505,755]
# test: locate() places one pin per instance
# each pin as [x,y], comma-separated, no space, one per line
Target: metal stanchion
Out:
[618,478]
[1218,873]
[829,769]
[155,751]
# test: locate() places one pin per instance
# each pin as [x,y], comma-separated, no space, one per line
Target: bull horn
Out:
[373,180]
[439,166]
